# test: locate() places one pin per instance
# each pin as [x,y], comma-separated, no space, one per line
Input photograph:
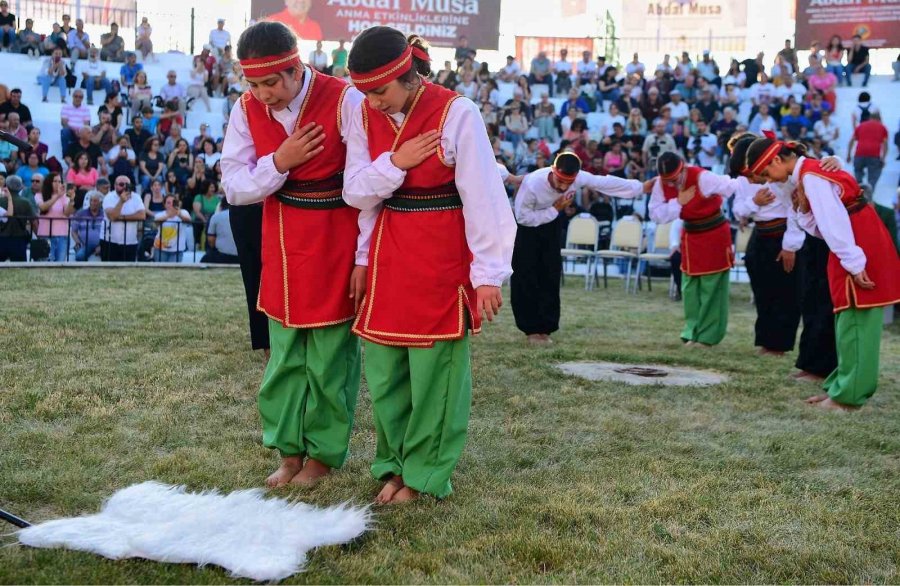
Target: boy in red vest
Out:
[695,195]
[285,147]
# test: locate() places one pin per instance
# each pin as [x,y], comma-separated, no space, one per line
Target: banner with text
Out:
[440,22]
[876,21]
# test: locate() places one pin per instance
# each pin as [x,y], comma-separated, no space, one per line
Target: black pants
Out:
[534,288]
[675,265]
[775,292]
[246,227]
[13,249]
[110,252]
[818,354]
[216,257]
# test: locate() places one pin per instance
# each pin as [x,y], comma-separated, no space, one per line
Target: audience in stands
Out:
[7,26]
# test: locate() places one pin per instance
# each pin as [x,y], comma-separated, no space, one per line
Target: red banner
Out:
[876,21]
[441,22]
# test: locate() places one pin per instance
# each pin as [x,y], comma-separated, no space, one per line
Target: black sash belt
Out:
[323,194]
[425,199]
[856,205]
[771,228]
[704,224]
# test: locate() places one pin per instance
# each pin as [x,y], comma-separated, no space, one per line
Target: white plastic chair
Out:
[625,243]
[660,243]
[583,232]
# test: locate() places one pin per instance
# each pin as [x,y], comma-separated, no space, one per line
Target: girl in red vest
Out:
[695,195]
[863,266]
[285,148]
[419,155]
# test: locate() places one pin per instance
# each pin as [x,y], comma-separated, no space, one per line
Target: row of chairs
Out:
[627,244]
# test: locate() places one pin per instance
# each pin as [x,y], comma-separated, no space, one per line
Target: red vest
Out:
[419,289]
[309,234]
[706,237]
[882,261]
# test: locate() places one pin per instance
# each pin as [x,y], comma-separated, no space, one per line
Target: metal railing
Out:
[96,239]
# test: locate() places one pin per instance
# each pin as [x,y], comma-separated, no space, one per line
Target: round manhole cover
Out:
[643,374]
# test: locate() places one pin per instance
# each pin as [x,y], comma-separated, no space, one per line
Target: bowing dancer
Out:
[771,253]
[537,263]
[863,266]
[695,195]
[285,147]
[441,248]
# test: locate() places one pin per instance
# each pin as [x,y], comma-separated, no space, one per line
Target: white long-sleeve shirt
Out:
[248,180]
[490,227]
[746,209]
[828,219]
[534,201]
[663,212]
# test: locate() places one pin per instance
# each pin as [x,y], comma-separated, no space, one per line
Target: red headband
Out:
[767,157]
[271,64]
[388,72]
[673,174]
[563,176]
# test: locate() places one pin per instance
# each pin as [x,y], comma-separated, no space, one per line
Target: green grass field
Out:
[113,377]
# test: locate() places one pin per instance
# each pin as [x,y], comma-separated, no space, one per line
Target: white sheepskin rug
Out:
[251,537]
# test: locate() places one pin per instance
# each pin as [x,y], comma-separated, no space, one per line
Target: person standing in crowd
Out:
[54,209]
[124,211]
[536,260]
[863,267]
[16,231]
[696,196]
[174,225]
[445,230]
[285,147]
[871,141]
[87,226]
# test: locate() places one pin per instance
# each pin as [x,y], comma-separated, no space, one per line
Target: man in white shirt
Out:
[563,71]
[78,41]
[93,75]
[665,66]
[635,67]
[789,88]
[511,72]
[587,69]
[124,211]
[826,131]
[703,146]
[219,37]
[678,107]
[173,91]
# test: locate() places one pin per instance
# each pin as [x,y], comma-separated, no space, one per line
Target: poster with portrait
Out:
[441,22]
[876,21]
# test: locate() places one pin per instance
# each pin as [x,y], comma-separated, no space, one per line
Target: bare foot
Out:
[267,353]
[816,398]
[767,352]
[312,472]
[290,466]
[391,487]
[835,406]
[404,495]
[689,343]
[546,338]
[702,345]
[536,339]
[810,378]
